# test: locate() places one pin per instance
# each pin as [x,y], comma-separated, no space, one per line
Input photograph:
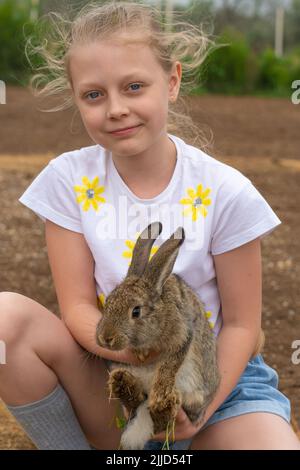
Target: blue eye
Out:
[136,84]
[95,94]
[92,95]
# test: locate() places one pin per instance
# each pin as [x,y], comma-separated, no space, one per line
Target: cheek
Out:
[92,124]
[94,127]
[90,117]
[157,105]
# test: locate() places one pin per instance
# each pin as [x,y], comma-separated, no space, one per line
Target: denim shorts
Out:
[256,391]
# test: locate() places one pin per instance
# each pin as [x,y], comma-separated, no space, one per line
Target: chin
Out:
[121,345]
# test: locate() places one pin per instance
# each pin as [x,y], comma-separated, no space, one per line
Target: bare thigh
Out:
[44,354]
[252,431]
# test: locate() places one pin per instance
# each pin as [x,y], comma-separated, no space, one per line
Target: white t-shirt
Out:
[218,207]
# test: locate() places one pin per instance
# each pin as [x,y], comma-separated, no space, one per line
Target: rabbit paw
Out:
[164,408]
[123,385]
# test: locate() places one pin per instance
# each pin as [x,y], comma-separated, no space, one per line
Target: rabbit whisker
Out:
[85,356]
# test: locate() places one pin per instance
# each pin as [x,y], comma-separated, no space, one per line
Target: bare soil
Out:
[260,137]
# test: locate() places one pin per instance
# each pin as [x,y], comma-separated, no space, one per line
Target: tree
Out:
[293,24]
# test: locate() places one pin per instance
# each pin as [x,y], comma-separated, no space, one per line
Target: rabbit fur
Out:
[153,309]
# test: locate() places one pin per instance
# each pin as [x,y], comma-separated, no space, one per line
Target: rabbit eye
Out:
[136,311]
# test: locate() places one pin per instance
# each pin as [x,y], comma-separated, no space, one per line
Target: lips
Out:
[124,129]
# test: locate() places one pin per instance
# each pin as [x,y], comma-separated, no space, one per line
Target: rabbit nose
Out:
[106,341]
[101,340]
[110,341]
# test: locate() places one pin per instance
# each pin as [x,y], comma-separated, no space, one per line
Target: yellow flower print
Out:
[101,300]
[130,244]
[208,315]
[196,202]
[89,193]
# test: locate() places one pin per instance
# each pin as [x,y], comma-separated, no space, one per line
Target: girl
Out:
[123,72]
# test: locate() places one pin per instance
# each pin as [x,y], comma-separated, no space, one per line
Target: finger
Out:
[126,413]
[181,416]
[162,436]
[159,437]
[126,356]
[180,432]
[179,426]
[152,356]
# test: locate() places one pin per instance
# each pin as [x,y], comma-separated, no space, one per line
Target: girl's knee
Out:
[11,301]
[15,316]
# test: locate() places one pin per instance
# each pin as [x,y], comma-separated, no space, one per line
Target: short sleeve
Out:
[246,217]
[51,196]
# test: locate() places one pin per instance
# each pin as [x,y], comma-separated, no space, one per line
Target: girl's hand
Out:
[129,357]
[183,429]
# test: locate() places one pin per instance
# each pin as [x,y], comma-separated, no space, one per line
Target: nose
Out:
[107,341]
[116,108]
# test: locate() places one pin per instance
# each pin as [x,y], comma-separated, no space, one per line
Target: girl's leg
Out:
[251,431]
[40,352]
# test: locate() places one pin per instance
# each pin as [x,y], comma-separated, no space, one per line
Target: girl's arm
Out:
[239,277]
[82,321]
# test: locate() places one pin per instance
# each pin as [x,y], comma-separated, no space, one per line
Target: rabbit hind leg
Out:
[194,405]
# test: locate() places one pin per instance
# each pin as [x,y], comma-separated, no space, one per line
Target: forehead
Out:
[98,60]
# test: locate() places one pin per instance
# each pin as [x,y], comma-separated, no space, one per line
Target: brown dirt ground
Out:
[260,137]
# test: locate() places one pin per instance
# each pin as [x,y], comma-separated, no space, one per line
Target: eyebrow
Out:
[91,85]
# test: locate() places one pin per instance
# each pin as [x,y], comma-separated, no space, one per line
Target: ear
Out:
[142,248]
[161,265]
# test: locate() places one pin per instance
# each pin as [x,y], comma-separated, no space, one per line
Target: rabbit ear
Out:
[161,264]
[142,248]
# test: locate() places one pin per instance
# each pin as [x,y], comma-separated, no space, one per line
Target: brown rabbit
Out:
[154,309]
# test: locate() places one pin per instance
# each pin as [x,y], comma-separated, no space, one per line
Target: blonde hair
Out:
[179,41]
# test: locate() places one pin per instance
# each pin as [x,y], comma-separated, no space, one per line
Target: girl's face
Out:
[120,86]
